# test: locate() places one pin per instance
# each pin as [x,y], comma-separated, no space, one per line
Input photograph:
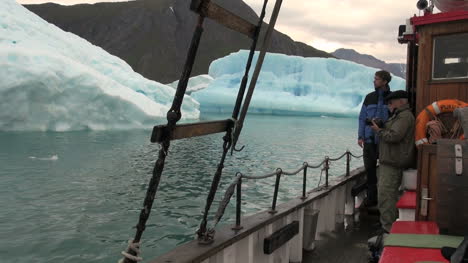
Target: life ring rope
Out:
[436,108]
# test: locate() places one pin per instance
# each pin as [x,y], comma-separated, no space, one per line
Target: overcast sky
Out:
[367,26]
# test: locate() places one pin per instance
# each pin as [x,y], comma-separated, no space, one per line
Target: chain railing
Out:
[236,186]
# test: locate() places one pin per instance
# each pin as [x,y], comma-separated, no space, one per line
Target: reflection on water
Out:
[75,196]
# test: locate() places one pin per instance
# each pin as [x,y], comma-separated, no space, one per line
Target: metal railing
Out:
[236,186]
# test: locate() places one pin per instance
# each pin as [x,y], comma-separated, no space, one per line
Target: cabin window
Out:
[450,57]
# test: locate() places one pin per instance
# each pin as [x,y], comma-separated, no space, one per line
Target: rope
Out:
[336,159]
[300,168]
[316,166]
[320,179]
[435,129]
[297,171]
[456,130]
[227,197]
[259,177]
[209,232]
[355,156]
[135,247]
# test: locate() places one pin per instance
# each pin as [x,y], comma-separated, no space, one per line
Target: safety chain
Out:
[237,184]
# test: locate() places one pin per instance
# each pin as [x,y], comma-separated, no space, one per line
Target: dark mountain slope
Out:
[153,36]
[370,61]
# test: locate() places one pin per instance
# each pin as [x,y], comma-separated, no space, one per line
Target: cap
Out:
[399,94]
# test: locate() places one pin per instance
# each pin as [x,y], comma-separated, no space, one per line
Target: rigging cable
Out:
[173,115]
[253,82]
[205,236]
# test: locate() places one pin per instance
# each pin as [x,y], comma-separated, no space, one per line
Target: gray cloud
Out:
[365,25]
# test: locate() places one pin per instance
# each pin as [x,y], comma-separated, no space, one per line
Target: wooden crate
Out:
[452,193]
[427,179]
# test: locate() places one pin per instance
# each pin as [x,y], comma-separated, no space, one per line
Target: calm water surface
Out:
[75,196]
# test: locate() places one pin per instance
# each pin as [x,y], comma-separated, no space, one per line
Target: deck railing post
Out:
[348,159]
[304,182]
[238,205]
[327,166]
[275,194]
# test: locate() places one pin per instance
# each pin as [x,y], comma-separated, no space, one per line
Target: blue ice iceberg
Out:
[54,80]
[291,85]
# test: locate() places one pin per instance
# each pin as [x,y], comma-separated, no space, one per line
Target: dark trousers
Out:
[371,154]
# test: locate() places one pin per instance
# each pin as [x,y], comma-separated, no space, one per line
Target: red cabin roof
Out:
[439,18]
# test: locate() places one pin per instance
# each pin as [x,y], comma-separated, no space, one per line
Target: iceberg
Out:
[291,85]
[51,80]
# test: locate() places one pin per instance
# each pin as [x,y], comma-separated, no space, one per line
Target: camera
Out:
[378,121]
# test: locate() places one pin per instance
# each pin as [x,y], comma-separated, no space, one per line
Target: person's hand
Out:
[360,142]
[374,126]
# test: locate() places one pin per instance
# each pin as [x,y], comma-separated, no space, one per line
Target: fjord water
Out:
[76,196]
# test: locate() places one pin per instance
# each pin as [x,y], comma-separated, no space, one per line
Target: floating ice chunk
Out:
[51,158]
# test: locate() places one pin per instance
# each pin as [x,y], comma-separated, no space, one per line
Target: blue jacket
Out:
[374,106]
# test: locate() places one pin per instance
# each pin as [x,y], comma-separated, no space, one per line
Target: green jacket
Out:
[396,146]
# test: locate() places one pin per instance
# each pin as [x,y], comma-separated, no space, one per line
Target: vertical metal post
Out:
[327,165]
[348,159]
[304,182]
[275,195]
[238,205]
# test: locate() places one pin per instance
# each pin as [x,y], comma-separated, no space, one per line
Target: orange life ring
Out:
[435,108]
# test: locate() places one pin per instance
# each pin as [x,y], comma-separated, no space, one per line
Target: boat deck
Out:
[348,246]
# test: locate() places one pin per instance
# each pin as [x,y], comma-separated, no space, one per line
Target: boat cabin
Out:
[437,83]
[437,69]
[437,61]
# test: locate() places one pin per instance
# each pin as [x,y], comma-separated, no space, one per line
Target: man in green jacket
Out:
[396,152]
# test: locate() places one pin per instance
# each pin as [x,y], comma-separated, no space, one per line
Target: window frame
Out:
[445,79]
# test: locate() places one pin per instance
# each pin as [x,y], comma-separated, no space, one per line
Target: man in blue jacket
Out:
[374,106]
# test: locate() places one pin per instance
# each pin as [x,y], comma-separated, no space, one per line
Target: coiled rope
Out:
[435,129]
[135,248]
